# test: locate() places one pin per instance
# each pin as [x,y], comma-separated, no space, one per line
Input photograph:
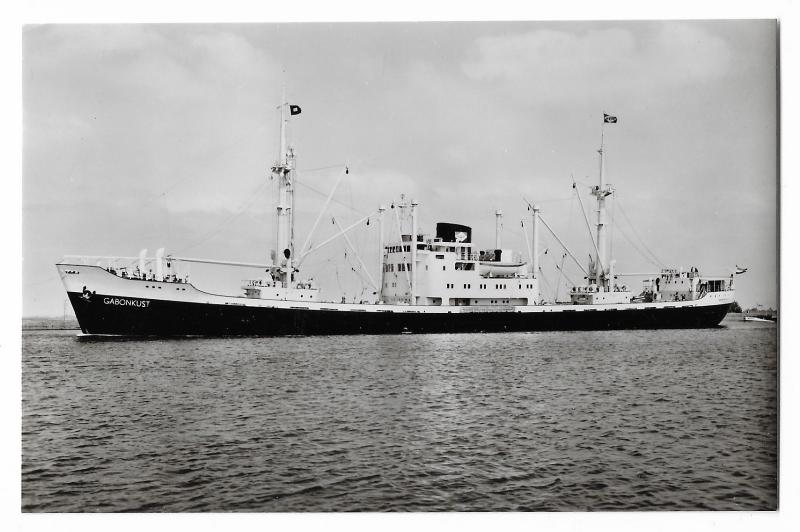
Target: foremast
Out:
[283,171]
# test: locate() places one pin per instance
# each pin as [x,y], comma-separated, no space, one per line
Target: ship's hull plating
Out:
[150,317]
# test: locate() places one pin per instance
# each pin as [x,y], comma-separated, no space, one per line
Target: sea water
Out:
[610,420]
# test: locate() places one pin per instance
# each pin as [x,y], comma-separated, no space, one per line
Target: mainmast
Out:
[601,192]
[283,171]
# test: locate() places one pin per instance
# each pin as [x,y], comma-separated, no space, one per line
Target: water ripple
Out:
[644,420]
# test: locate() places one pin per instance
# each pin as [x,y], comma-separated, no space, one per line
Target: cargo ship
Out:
[425,283]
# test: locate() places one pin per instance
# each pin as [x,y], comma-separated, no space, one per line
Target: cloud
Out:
[113,112]
[162,135]
[145,57]
[562,64]
[111,40]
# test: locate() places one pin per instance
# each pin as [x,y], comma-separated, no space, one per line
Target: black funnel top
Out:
[447,232]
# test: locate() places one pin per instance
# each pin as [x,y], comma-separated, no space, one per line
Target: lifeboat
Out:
[501,269]
[500,263]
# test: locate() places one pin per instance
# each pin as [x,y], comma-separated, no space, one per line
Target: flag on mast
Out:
[608,119]
[294,110]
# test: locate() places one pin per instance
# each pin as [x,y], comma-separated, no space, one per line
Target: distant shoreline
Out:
[51,329]
[49,324]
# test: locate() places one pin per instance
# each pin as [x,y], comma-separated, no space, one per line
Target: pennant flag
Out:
[740,270]
[295,110]
[607,119]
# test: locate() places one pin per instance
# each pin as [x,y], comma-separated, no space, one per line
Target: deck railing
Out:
[129,267]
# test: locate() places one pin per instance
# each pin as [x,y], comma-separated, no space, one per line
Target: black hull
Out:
[173,318]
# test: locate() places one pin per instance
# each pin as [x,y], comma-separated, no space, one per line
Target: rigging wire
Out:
[633,228]
[586,219]
[245,206]
[554,200]
[315,269]
[561,270]
[219,152]
[357,237]
[309,170]
[273,203]
[561,273]
[638,249]
[339,282]
[334,200]
[611,231]
[543,278]
[355,268]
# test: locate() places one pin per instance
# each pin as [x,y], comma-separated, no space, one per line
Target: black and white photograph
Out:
[397,266]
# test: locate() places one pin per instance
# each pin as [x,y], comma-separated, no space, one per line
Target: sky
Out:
[148,136]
